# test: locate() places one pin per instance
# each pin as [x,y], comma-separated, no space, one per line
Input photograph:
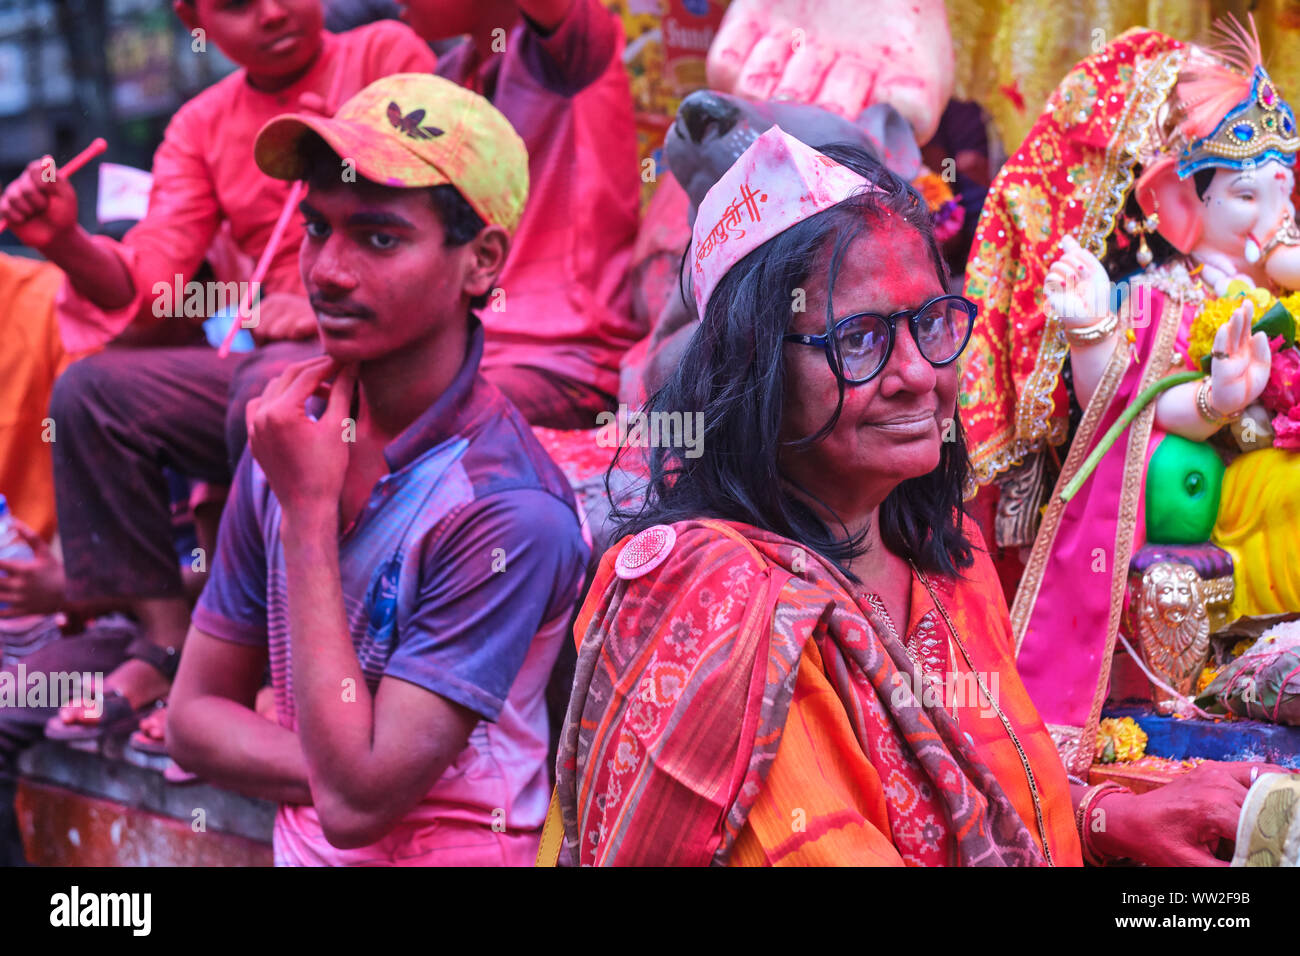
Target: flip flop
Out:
[117,718]
[148,745]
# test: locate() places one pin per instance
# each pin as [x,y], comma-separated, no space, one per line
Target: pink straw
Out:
[263,265]
[97,146]
[273,243]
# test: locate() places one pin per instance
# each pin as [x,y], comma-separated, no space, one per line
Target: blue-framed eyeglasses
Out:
[860,345]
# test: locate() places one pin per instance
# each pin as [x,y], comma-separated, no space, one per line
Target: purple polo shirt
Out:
[459,575]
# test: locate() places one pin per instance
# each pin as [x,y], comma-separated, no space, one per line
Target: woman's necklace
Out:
[1006,724]
[920,647]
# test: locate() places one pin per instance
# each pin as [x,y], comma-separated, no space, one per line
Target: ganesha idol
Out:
[1134,368]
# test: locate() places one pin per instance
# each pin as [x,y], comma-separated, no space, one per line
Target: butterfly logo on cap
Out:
[409,125]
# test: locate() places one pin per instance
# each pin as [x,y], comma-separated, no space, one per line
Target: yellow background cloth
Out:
[1010,56]
[1259,524]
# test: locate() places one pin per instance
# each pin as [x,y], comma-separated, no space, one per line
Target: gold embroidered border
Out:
[1135,461]
[1008,451]
[1011,451]
[1134,474]
[1128,141]
[1066,740]
[1031,581]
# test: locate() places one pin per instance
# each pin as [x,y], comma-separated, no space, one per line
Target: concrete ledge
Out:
[79,807]
[63,828]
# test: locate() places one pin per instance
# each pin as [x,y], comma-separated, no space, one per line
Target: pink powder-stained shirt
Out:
[567,303]
[204,175]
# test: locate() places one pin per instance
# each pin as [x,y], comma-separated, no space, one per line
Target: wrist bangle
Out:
[1090,334]
[1207,410]
[1081,820]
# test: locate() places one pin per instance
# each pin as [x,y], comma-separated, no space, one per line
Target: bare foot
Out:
[137,681]
[154,726]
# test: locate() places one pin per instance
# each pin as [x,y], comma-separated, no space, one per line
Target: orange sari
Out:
[824,803]
[744,703]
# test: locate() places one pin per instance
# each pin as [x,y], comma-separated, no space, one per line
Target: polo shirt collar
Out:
[446,417]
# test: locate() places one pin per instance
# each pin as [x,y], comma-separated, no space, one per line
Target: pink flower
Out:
[1286,430]
[948,220]
[1282,393]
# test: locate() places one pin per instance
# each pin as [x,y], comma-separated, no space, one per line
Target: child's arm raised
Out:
[112,285]
[569,43]
[41,209]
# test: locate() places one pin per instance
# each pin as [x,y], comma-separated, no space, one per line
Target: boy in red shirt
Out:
[558,328]
[123,414]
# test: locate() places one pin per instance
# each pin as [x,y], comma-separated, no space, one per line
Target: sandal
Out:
[147,745]
[118,716]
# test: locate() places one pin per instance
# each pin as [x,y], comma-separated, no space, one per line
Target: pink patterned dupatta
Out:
[1071,598]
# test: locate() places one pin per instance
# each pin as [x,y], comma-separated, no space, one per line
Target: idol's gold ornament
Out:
[1173,630]
[1139,229]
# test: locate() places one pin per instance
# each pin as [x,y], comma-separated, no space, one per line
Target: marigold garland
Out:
[1204,327]
[1120,740]
[1206,678]
[1292,304]
[934,189]
[1216,312]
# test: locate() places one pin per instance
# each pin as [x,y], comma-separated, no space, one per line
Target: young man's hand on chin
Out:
[304,460]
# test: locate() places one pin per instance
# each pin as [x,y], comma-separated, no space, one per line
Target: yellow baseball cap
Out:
[413,130]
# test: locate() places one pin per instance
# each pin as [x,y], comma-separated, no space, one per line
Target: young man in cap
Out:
[124,414]
[559,328]
[408,557]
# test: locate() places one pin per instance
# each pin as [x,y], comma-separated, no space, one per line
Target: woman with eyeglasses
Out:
[799,653]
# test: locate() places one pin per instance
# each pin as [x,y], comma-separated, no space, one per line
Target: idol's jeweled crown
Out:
[1259,128]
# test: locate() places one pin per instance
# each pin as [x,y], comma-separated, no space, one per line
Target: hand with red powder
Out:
[842,55]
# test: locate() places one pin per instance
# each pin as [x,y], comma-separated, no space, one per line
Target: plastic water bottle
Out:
[20,636]
[216,327]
